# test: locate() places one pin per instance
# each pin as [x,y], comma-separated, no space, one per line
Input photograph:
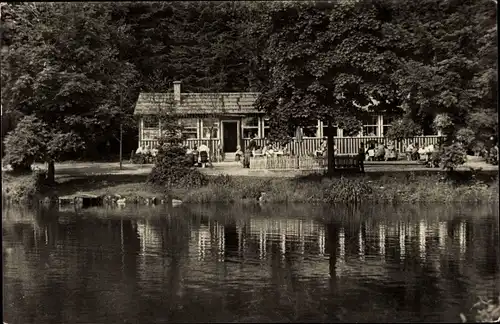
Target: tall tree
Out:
[63,67]
[326,61]
[448,57]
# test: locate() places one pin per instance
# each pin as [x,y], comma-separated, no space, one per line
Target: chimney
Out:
[177,91]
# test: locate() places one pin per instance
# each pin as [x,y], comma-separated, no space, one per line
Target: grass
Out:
[401,187]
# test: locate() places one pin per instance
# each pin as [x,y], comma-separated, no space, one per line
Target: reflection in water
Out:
[213,263]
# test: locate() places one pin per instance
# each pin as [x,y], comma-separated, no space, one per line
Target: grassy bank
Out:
[401,187]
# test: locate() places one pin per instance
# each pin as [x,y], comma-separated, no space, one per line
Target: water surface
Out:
[249,263]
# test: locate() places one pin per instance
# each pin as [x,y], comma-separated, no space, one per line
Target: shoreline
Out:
[396,187]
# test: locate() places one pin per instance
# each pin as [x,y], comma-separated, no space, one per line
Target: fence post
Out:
[298,138]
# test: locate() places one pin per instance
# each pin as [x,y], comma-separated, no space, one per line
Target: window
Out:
[190,127]
[387,120]
[325,130]
[370,126]
[151,127]
[151,122]
[250,126]
[311,130]
[150,134]
[267,129]
[210,128]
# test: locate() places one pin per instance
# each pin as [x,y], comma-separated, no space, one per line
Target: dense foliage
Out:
[78,67]
[172,165]
[403,128]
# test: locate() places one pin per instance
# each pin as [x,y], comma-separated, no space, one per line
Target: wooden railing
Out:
[347,145]
[212,144]
[304,162]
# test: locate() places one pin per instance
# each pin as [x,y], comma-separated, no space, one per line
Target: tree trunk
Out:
[51,172]
[121,146]
[331,153]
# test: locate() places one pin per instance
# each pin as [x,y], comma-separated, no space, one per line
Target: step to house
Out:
[229,156]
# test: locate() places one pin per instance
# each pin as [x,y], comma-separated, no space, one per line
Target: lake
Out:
[276,263]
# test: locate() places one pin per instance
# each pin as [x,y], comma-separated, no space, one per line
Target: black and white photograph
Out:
[250,162]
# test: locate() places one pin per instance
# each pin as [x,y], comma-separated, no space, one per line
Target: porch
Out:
[345,145]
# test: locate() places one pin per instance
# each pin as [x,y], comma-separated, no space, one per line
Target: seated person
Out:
[414,154]
[258,151]
[265,149]
[270,151]
[203,148]
[322,148]
[371,152]
[147,154]
[380,152]
[422,153]
[154,152]
[246,158]
[203,159]
[221,152]
[204,154]
[390,153]
[409,150]
[196,155]
[140,150]
[238,154]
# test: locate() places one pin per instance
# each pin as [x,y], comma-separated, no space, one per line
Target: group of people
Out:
[378,151]
[415,153]
[254,150]
[322,150]
[145,154]
[199,155]
[491,155]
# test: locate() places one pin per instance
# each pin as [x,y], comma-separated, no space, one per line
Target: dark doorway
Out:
[230,131]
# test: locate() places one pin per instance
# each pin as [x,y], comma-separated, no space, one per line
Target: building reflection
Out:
[257,238]
[118,259]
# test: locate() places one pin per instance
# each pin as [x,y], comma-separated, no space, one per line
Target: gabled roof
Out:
[198,103]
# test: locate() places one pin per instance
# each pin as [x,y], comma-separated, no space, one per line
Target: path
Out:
[79,169]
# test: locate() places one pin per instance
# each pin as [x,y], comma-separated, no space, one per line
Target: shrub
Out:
[347,190]
[443,123]
[403,128]
[23,145]
[26,188]
[173,169]
[452,156]
[465,136]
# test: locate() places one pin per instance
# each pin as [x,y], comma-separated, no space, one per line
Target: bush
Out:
[452,156]
[26,188]
[23,145]
[347,190]
[465,136]
[403,128]
[173,169]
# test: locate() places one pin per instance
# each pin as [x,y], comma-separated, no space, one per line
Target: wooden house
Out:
[229,120]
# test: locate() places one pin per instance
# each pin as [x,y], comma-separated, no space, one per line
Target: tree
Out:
[403,128]
[326,61]
[172,166]
[63,67]
[209,51]
[448,53]
[33,140]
